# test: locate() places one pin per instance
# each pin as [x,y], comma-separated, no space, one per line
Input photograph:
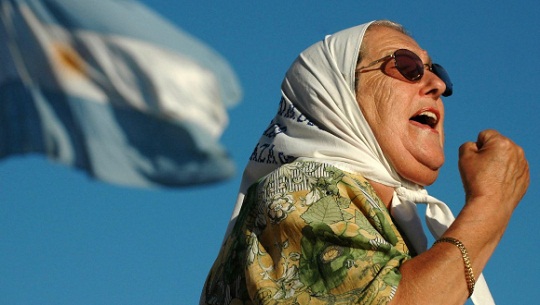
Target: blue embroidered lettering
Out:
[253,156]
[266,153]
[282,157]
[271,158]
[282,106]
[286,109]
[273,130]
[289,111]
[263,147]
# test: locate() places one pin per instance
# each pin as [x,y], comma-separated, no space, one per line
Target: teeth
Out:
[427,118]
[430,115]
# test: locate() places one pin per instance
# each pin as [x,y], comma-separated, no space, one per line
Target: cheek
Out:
[376,105]
[382,110]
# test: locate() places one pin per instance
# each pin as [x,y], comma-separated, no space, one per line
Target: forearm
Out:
[437,276]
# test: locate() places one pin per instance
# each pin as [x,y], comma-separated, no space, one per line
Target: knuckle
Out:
[463,148]
[505,143]
[521,151]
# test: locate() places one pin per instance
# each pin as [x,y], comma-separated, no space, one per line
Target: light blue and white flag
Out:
[112,88]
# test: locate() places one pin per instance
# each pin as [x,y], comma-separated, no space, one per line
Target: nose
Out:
[432,85]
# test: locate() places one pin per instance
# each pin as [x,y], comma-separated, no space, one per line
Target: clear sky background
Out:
[68,239]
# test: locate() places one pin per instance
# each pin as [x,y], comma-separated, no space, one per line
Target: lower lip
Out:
[423,126]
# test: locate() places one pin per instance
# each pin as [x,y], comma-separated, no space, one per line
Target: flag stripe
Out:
[101,95]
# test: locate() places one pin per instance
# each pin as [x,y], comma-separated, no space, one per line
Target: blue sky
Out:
[67,239]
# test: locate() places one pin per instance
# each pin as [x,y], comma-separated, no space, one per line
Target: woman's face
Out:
[397,110]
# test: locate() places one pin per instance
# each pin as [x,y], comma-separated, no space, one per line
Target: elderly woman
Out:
[327,207]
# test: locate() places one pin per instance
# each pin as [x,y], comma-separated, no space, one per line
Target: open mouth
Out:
[426,117]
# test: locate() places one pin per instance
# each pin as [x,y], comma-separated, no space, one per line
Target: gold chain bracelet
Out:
[469,275]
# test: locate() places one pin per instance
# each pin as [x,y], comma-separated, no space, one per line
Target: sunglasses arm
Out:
[375,62]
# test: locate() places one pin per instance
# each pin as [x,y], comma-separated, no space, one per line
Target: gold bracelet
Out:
[469,275]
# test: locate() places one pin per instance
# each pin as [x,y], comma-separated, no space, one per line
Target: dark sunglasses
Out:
[412,68]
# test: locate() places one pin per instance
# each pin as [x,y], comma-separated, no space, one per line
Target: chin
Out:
[423,177]
[428,182]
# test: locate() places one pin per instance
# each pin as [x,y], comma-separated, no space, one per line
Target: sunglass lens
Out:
[443,75]
[409,64]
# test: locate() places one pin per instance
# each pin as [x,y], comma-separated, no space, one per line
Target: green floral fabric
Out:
[309,233]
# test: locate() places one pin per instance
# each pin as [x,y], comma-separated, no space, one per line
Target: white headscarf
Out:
[319,119]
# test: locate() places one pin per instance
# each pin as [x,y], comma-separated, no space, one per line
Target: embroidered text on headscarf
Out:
[265,152]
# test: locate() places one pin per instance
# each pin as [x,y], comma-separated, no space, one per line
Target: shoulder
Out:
[304,189]
[309,176]
[303,192]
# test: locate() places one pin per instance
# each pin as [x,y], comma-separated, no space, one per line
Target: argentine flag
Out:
[110,87]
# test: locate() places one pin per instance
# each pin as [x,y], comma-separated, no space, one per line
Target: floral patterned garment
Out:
[309,233]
